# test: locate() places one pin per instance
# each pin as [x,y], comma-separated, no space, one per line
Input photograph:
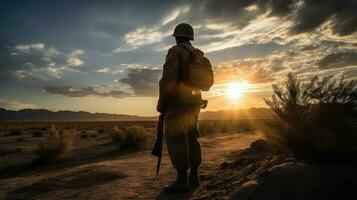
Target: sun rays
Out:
[235,90]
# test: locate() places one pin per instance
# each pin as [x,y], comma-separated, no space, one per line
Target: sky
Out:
[107,56]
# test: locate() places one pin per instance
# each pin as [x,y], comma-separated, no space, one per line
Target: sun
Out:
[235,90]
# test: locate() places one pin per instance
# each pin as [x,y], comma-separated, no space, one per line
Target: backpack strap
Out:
[183,68]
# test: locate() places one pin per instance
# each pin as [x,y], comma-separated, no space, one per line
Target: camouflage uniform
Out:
[181,105]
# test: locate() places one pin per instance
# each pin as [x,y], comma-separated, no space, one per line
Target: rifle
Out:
[157,150]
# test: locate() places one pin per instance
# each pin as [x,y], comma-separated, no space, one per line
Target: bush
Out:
[315,120]
[36,133]
[55,146]
[136,138]
[15,131]
[117,135]
[100,130]
[93,135]
[207,127]
[133,138]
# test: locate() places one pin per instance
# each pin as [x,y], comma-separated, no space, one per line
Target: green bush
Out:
[55,146]
[316,119]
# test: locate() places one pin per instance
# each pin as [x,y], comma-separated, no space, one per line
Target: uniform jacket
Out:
[173,92]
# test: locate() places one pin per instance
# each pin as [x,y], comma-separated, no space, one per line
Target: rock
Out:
[263,145]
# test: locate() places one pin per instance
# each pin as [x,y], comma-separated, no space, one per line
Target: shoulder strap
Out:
[183,68]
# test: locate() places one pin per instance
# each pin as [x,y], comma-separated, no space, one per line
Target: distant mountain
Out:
[47,115]
[250,113]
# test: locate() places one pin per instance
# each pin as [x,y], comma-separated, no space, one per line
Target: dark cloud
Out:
[314,13]
[307,15]
[144,82]
[338,60]
[72,91]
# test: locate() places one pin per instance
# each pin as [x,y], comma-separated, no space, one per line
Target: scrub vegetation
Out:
[54,146]
[315,119]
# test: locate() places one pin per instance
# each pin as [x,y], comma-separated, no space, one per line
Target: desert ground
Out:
[96,169]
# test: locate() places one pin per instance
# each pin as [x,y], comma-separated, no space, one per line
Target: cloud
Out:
[171,16]
[40,73]
[341,14]
[74,62]
[143,82]
[140,37]
[104,70]
[253,70]
[306,15]
[338,60]
[76,53]
[14,105]
[38,61]
[72,91]
[26,48]
[35,48]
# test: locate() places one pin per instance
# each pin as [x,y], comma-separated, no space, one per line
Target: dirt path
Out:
[128,176]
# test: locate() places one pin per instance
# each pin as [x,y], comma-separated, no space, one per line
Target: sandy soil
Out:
[99,172]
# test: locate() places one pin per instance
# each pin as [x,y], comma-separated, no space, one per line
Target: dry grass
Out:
[315,120]
[132,138]
[55,146]
[225,126]
[117,135]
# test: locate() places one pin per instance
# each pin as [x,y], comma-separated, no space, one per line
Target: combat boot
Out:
[180,185]
[193,178]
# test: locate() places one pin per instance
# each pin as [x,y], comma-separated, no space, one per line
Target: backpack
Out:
[197,70]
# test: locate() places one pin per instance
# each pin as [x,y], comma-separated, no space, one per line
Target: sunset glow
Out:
[235,90]
[108,57]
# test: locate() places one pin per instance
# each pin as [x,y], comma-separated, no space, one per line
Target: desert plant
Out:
[100,130]
[136,138]
[54,146]
[116,134]
[36,133]
[315,119]
[132,138]
[208,127]
[15,131]
[93,135]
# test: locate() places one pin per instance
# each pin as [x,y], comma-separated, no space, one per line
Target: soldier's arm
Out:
[169,78]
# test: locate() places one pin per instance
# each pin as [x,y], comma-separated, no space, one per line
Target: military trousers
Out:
[181,134]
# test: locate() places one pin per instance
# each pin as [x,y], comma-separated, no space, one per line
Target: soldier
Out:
[180,103]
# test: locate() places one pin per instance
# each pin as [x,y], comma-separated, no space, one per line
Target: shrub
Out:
[117,135]
[136,138]
[208,127]
[100,130]
[15,131]
[93,135]
[316,119]
[132,138]
[55,146]
[36,133]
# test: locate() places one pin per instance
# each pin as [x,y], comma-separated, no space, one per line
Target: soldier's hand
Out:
[204,104]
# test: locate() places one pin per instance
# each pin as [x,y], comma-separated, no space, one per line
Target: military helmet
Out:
[183,30]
